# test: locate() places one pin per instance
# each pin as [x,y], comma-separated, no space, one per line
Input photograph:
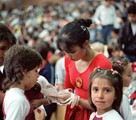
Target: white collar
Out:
[2,68]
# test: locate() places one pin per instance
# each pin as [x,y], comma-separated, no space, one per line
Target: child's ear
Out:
[25,73]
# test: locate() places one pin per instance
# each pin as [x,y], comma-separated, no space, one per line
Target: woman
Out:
[80,61]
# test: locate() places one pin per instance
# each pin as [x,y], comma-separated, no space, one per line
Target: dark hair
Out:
[118,63]
[115,30]
[116,81]
[74,33]
[132,8]
[7,35]
[111,47]
[18,59]
[43,48]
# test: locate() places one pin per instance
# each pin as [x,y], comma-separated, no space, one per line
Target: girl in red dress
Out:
[80,61]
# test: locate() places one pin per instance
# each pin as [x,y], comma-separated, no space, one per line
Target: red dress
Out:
[79,82]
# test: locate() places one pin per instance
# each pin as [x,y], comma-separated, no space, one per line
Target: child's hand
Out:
[36,103]
[39,114]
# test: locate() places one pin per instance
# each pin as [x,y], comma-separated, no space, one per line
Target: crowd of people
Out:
[84,51]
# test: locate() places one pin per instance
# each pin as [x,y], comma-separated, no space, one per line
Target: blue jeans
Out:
[106,33]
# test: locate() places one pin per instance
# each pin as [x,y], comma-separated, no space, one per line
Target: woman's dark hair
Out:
[7,35]
[116,81]
[19,58]
[119,63]
[43,48]
[74,33]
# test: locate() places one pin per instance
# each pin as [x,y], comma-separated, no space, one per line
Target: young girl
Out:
[105,94]
[21,66]
[80,60]
[123,66]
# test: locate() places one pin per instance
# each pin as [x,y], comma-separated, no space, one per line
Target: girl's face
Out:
[127,75]
[102,95]
[32,77]
[76,53]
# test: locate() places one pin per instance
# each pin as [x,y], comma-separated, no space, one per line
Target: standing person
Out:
[21,66]
[80,60]
[105,94]
[105,17]
[127,36]
[123,66]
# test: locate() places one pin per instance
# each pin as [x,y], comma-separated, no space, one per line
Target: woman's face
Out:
[76,53]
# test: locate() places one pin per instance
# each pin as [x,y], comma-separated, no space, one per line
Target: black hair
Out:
[74,33]
[116,81]
[132,8]
[111,47]
[7,35]
[17,59]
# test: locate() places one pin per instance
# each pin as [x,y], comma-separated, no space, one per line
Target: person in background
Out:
[113,49]
[105,94]
[46,69]
[80,60]
[98,46]
[127,36]
[21,66]
[105,17]
[123,66]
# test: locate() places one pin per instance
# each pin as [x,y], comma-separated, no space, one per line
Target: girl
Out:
[123,66]
[21,66]
[105,94]
[80,60]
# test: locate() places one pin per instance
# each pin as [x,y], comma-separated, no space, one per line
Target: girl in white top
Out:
[21,65]
[105,94]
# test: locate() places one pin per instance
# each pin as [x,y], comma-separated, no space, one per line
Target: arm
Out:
[125,109]
[1,97]
[38,102]
[96,16]
[16,110]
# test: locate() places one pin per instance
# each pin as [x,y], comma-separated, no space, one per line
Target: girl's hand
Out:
[39,114]
[64,96]
[36,103]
